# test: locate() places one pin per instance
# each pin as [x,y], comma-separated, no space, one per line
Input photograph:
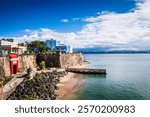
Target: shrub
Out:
[42,65]
[7,80]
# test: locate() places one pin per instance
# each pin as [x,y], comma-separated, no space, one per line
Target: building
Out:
[69,49]
[53,44]
[10,46]
[61,47]
[64,48]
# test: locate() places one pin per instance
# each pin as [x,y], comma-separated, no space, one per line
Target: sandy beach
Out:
[70,84]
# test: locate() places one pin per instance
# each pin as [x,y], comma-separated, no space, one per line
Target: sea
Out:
[128,77]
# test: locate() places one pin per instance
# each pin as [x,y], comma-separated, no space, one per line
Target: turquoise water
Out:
[128,77]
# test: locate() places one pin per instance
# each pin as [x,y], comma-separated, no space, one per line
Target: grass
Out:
[7,80]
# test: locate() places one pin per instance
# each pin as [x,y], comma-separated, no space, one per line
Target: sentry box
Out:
[13,63]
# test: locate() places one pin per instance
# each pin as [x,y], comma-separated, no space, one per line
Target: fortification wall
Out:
[51,60]
[24,62]
[60,60]
[67,60]
[1,93]
[5,66]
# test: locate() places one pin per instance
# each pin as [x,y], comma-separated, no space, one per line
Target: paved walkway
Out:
[18,78]
[11,86]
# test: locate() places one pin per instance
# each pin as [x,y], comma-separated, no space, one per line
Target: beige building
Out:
[10,46]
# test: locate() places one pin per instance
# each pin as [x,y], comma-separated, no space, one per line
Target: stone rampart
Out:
[60,60]
[24,62]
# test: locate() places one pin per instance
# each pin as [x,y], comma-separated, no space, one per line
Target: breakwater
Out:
[87,71]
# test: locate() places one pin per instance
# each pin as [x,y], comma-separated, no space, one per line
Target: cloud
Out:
[65,20]
[75,19]
[70,20]
[114,31]
[120,31]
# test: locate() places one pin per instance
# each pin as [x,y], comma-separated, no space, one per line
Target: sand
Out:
[71,84]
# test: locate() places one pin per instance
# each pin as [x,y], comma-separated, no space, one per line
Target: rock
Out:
[31,72]
[41,87]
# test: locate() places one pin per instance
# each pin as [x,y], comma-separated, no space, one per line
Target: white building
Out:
[58,46]
[10,46]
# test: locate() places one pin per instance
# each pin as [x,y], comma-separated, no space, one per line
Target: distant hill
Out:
[103,51]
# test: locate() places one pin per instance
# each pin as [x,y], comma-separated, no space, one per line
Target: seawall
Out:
[24,62]
[60,60]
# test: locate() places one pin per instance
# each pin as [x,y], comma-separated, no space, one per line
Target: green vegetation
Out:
[37,46]
[7,80]
[37,74]
[31,97]
[21,44]
[42,65]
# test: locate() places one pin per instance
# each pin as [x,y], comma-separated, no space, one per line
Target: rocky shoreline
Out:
[49,85]
[41,87]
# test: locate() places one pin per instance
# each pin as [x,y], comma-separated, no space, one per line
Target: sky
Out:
[106,24]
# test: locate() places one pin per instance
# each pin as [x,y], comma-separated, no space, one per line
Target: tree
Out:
[39,46]
[21,44]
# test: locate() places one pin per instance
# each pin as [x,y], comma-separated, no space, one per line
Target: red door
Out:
[13,63]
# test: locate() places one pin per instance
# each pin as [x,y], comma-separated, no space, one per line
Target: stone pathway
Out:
[11,85]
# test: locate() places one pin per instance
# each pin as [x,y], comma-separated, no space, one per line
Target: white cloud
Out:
[64,20]
[70,20]
[129,31]
[75,19]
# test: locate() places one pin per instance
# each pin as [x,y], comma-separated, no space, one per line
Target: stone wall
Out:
[25,61]
[67,60]
[1,92]
[51,60]
[5,66]
[60,60]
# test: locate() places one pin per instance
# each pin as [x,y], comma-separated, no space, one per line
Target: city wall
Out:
[24,62]
[60,60]
[4,66]
[57,60]
[69,60]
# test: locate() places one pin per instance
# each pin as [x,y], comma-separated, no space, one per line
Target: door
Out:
[14,69]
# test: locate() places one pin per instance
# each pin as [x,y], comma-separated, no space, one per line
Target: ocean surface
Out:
[128,77]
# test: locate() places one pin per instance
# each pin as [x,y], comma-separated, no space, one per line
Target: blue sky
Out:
[18,15]
[99,24]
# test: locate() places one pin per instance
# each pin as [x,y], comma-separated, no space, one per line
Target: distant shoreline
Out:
[115,52]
